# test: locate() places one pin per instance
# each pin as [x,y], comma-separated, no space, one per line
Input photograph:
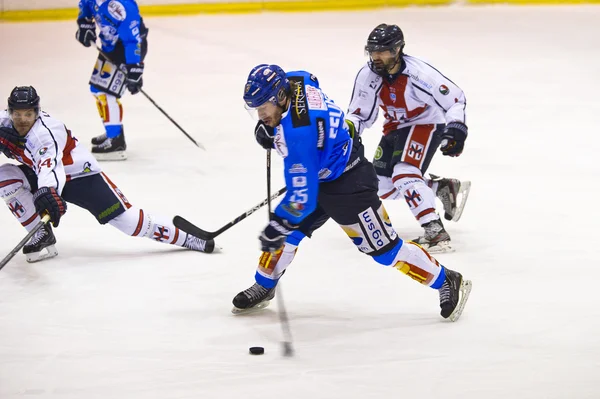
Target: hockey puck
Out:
[257,350]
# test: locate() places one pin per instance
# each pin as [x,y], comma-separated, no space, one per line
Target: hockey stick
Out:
[24,241]
[188,227]
[156,105]
[288,349]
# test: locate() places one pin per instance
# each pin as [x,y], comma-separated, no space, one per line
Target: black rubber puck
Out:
[257,350]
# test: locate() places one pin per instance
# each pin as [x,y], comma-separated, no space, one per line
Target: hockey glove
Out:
[453,139]
[11,142]
[47,200]
[273,236]
[86,34]
[134,77]
[264,135]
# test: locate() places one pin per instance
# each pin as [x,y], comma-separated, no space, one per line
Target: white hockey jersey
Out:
[53,152]
[419,95]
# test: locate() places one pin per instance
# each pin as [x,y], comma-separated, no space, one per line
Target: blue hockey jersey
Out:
[315,143]
[117,20]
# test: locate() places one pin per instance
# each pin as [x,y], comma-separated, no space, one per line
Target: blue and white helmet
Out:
[265,83]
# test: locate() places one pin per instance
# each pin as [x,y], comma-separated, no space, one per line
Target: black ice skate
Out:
[448,192]
[99,139]
[198,244]
[41,245]
[111,149]
[454,294]
[436,239]
[254,298]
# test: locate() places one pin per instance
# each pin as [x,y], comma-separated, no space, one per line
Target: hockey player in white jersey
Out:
[422,109]
[56,169]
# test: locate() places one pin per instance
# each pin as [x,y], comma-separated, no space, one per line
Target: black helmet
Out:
[24,97]
[385,37]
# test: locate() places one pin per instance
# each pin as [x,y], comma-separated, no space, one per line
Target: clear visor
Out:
[262,110]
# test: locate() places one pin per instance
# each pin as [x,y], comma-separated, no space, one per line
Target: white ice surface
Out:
[119,317]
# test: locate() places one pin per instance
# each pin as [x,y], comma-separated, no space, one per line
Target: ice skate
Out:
[436,239]
[453,193]
[198,244]
[111,149]
[254,298]
[454,294]
[41,245]
[99,139]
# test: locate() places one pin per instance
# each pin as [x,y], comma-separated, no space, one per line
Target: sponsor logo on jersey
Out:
[43,151]
[321,133]
[378,152]
[299,181]
[324,173]
[315,99]
[280,144]
[116,10]
[16,208]
[356,111]
[299,108]
[373,229]
[415,150]
[87,167]
[444,90]
[413,198]
[393,97]
[161,233]
[314,78]
[297,168]
[419,80]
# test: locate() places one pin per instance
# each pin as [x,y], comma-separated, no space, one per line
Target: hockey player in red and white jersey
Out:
[55,170]
[422,109]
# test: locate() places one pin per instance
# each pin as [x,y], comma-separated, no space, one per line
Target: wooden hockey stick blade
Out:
[24,241]
[194,230]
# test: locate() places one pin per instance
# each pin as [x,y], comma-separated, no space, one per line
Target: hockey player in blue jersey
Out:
[124,40]
[327,176]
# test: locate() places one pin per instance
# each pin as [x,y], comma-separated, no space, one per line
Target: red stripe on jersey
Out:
[139,225]
[425,212]
[11,181]
[406,176]
[31,219]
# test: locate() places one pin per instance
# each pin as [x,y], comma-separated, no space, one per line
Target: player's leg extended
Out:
[103,199]
[352,201]
[271,267]
[16,187]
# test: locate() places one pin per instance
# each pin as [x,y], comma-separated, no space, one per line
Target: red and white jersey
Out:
[418,95]
[53,153]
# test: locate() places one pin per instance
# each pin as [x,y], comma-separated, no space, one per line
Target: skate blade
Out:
[441,247]
[46,253]
[110,156]
[260,306]
[465,291]
[462,195]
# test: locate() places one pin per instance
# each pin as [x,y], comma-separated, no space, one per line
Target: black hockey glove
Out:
[47,200]
[273,236]
[134,77]
[264,135]
[86,34]
[453,139]
[11,141]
